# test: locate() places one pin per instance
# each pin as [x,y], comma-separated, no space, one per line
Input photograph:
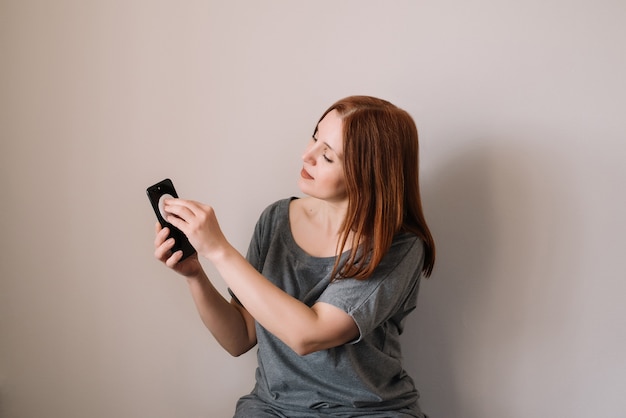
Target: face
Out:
[322,173]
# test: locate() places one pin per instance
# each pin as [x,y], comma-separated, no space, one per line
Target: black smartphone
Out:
[156,194]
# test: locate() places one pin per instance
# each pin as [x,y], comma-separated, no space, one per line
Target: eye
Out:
[314,139]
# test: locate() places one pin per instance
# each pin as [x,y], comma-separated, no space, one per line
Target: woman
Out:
[328,279]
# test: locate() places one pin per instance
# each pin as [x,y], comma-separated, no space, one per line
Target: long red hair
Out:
[381,163]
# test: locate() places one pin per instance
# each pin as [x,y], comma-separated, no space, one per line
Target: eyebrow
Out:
[315,135]
[325,143]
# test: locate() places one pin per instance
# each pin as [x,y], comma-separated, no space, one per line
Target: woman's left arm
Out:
[305,329]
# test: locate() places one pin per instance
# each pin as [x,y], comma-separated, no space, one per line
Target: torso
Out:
[352,379]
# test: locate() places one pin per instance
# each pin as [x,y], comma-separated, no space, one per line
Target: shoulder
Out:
[272,224]
[273,216]
[276,210]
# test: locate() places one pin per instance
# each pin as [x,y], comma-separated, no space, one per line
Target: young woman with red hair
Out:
[329,278]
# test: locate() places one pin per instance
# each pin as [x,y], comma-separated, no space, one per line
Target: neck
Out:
[327,215]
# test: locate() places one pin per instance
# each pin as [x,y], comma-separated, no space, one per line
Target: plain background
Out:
[520,108]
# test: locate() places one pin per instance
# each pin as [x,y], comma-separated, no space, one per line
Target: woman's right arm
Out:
[231,325]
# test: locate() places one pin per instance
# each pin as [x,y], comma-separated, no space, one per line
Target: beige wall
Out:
[520,107]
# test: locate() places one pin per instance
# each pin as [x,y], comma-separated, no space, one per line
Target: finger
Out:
[180,213]
[174,259]
[164,251]
[161,236]
[181,207]
[177,201]
[177,222]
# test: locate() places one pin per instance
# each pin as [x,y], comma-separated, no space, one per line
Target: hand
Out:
[199,223]
[190,267]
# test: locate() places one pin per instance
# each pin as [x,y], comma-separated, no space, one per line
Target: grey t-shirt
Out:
[364,375]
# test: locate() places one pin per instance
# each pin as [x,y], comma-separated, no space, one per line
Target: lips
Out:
[305,175]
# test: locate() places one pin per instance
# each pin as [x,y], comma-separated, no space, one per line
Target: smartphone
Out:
[156,194]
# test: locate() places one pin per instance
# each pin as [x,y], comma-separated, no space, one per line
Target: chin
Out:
[304,186]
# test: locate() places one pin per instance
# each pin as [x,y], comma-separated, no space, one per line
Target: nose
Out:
[309,154]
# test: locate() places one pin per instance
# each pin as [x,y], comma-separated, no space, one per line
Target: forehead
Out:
[330,130]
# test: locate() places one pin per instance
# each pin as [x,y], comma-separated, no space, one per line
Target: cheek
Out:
[339,180]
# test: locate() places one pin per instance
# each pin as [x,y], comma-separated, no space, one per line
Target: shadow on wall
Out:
[464,344]
[457,204]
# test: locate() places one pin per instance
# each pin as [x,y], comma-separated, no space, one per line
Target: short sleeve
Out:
[389,294]
[262,235]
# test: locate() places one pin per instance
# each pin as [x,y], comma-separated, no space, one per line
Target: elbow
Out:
[234,352]
[237,351]
[302,351]
[303,347]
